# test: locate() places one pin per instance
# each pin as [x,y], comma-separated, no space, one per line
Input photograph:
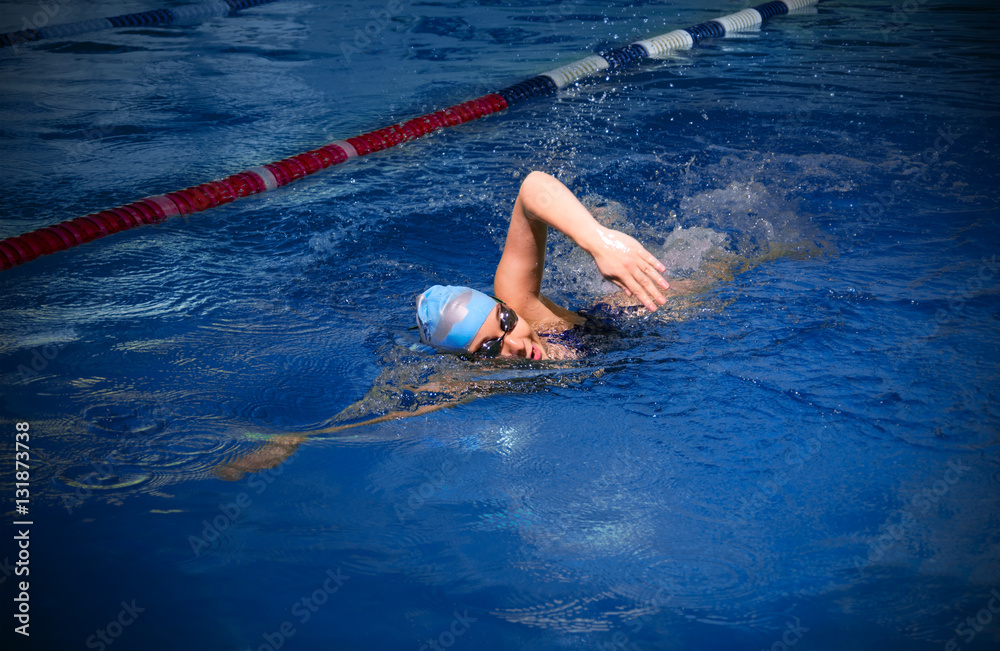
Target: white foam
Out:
[749,209]
[686,248]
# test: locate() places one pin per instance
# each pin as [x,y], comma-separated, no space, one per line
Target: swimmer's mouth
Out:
[535,352]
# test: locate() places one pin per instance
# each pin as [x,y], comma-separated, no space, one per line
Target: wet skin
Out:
[522,341]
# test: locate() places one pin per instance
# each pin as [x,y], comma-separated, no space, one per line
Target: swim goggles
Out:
[508,320]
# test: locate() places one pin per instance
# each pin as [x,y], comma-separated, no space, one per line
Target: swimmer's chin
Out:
[557,352]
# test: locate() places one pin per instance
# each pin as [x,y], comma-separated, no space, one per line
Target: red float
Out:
[24,248]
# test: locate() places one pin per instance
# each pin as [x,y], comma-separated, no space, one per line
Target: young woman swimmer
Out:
[521,322]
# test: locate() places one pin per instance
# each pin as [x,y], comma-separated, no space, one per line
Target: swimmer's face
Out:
[522,341]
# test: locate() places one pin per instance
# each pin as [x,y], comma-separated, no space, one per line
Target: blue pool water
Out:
[804,457]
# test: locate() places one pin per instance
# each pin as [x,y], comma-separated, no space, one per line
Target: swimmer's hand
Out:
[623,261]
[544,202]
[270,455]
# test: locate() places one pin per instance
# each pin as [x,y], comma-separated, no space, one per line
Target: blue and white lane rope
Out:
[658,46]
[23,248]
[141,19]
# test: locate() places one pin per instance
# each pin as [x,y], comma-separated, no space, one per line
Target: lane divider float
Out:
[20,249]
[141,19]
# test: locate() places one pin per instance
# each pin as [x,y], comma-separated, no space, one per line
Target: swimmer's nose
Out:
[525,350]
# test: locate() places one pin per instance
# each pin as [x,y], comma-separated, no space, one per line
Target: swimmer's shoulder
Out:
[561,317]
[543,314]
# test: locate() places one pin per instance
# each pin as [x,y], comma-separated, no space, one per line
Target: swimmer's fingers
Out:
[654,270]
[644,281]
[646,285]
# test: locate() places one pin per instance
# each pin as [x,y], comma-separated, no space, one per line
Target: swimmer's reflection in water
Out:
[520,322]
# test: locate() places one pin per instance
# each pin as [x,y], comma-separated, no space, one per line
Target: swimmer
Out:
[520,321]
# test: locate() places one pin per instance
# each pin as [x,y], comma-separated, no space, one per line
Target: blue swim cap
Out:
[449,317]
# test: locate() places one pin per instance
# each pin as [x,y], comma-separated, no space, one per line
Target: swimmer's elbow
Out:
[537,191]
[534,177]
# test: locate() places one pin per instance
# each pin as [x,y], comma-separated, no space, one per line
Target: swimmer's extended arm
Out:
[544,201]
[278,447]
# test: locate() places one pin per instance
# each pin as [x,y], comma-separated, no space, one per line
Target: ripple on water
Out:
[701,579]
[570,615]
[712,502]
[103,476]
[116,419]
[565,594]
[610,592]
[135,450]
[191,454]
